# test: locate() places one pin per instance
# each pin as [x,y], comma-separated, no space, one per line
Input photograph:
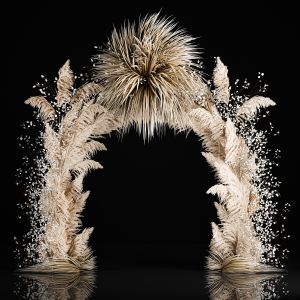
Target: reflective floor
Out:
[150,283]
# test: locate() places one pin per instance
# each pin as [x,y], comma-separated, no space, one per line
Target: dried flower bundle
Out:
[235,246]
[72,124]
[149,75]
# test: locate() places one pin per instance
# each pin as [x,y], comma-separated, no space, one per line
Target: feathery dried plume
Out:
[64,84]
[69,145]
[235,246]
[252,105]
[46,111]
[149,75]
[221,81]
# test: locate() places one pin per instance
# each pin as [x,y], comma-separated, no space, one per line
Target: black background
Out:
[149,205]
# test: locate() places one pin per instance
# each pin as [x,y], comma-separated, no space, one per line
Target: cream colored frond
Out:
[230,231]
[77,183]
[64,84]
[224,173]
[85,166]
[79,203]
[247,163]
[79,247]
[218,243]
[251,106]
[221,190]
[88,115]
[67,123]
[46,111]
[104,124]
[234,207]
[203,116]
[232,144]
[74,222]
[221,212]
[93,121]
[86,92]
[92,147]
[221,82]
[239,264]
[210,128]
[51,143]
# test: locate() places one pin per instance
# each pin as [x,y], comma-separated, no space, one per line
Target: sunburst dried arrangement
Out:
[71,126]
[147,76]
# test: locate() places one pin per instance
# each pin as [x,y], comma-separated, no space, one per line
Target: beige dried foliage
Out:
[46,111]
[221,81]
[64,84]
[252,105]
[209,126]
[235,246]
[149,75]
[68,148]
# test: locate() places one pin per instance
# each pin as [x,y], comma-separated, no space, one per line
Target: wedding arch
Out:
[147,76]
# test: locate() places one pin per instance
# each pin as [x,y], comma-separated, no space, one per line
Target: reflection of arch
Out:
[80,116]
[60,287]
[82,286]
[246,286]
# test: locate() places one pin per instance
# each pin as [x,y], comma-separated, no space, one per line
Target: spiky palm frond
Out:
[148,74]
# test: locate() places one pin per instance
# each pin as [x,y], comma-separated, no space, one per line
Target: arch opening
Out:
[151,197]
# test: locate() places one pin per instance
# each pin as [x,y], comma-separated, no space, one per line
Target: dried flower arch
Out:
[146,77]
